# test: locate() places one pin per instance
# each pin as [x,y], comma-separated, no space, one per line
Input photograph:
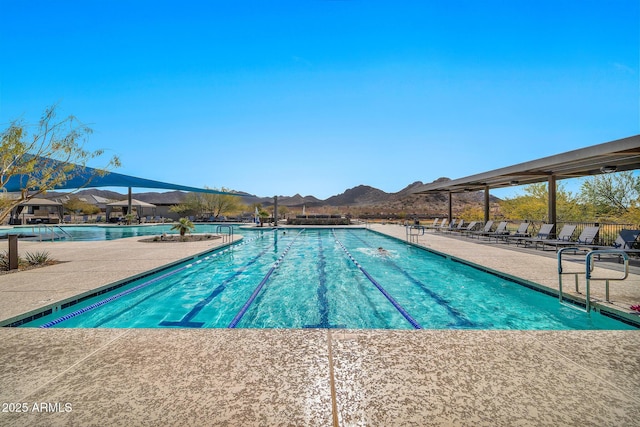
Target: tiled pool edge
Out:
[37,313]
[604,309]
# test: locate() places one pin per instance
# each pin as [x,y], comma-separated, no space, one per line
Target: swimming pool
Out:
[315,278]
[107,232]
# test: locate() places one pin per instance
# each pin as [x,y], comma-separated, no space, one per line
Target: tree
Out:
[74,205]
[220,204]
[183,226]
[613,194]
[192,205]
[47,155]
[263,215]
[534,204]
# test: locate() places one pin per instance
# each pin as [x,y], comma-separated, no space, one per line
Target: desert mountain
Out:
[362,196]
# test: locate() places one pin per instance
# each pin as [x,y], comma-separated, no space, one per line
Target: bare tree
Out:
[51,155]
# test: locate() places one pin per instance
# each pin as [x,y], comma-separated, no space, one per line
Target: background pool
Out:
[108,232]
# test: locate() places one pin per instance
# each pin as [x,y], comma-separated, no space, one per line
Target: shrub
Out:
[38,258]
[4,261]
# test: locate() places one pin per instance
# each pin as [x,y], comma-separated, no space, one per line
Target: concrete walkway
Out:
[318,377]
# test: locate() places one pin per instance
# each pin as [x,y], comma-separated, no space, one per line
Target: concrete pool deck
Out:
[304,377]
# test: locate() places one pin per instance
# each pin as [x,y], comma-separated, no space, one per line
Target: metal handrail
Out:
[229,234]
[588,272]
[412,236]
[561,271]
[589,269]
[52,230]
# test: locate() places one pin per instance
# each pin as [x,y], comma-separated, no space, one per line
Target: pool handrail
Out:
[588,272]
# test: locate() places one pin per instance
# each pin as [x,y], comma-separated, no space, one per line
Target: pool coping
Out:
[34,314]
[602,307]
[575,300]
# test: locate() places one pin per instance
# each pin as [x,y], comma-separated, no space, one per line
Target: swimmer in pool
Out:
[382,251]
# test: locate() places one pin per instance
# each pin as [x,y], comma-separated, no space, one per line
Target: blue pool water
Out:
[324,279]
[107,232]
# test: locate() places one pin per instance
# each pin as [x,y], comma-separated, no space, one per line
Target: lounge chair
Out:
[587,238]
[625,242]
[543,234]
[444,226]
[434,224]
[522,231]
[471,227]
[486,229]
[458,227]
[443,223]
[500,231]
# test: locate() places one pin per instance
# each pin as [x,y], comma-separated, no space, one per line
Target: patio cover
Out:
[615,156]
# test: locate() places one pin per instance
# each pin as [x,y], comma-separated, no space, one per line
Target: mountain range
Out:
[362,196]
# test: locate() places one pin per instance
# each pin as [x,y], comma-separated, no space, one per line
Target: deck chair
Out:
[500,231]
[543,234]
[565,235]
[443,223]
[486,229]
[434,224]
[522,231]
[444,226]
[471,227]
[625,241]
[587,238]
[458,227]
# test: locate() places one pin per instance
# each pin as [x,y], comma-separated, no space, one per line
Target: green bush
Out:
[4,261]
[38,258]
[30,259]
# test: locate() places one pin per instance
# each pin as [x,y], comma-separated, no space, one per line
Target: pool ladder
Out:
[54,234]
[588,272]
[227,236]
[413,232]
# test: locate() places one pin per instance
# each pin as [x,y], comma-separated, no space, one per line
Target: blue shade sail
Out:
[86,177]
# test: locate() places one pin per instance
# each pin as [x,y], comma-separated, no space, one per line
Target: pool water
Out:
[318,278]
[108,232]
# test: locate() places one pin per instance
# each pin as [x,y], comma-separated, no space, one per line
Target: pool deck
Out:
[306,377]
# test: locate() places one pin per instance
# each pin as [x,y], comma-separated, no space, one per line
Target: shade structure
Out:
[43,207]
[614,156]
[86,177]
[129,204]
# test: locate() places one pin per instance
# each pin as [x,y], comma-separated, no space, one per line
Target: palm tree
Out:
[183,226]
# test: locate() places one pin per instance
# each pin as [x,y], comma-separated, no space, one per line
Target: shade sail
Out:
[89,178]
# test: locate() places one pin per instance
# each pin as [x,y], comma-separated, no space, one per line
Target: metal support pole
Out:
[129,203]
[13,251]
[486,204]
[275,211]
[552,200]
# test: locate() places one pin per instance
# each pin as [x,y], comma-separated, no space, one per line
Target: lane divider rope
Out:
[257,290]
[398,307]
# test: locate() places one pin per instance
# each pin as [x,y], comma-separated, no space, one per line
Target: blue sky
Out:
[315,97]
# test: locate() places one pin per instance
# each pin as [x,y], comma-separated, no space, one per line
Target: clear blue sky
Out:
[315,97]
